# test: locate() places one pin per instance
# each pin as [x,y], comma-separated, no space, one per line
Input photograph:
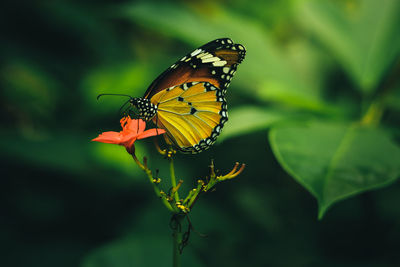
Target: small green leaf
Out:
[335,161]
[364,36]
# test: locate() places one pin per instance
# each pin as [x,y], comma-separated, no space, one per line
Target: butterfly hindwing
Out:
[193,114]
[214,62]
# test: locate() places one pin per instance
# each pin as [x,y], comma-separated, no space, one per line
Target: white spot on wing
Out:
[220,63]
[204,55]
[225,69]
[211,59]
[195,52]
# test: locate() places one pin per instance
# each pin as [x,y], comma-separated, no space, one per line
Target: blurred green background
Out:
[68,202]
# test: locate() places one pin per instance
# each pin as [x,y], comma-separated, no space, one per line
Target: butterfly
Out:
[188,99]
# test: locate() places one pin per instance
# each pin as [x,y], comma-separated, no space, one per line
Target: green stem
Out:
[151,179]
[196,194]
[173,178]
[177,241]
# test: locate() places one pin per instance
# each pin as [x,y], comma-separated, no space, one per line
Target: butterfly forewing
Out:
[189,97]
[193,114]
[214,62]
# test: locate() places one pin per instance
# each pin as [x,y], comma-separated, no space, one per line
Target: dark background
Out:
[65,201]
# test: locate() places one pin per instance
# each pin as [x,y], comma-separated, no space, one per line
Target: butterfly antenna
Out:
[100,95]
[120,109]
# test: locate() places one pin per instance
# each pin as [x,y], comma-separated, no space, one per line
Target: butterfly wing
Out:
[214,62]
[193,114]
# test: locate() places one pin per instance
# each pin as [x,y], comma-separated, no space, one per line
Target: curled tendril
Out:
[185,239]
[175,224]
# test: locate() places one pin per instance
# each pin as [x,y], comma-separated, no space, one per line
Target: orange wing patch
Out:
[214,62]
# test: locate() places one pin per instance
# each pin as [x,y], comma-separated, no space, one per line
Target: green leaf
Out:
[249,119]
[364,36]
[335,161]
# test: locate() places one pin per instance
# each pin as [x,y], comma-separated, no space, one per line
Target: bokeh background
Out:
[65,201]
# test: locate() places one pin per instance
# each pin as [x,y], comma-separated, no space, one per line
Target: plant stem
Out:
[173,178]
[151,179]
[177,240]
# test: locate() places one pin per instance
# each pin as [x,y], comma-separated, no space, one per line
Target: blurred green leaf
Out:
[116,157]
[364,35]
[393,101]
[64,152]
[292,96]
[140,250]
[27,87]
[130,79]
[257,205]
[87,24]
[72,153]
[248,119]
[335,161]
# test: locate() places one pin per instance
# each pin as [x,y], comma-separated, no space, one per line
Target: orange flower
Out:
[132,130]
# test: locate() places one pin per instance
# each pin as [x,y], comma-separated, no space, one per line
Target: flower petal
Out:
[151,132]
[127,136]
[136,126]
[109,137]
[124,121]
[132,130]
[142,126]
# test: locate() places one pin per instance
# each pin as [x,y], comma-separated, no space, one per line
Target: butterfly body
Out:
[147,110]
[188,99]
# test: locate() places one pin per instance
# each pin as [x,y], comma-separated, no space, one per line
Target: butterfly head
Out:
[146,109]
